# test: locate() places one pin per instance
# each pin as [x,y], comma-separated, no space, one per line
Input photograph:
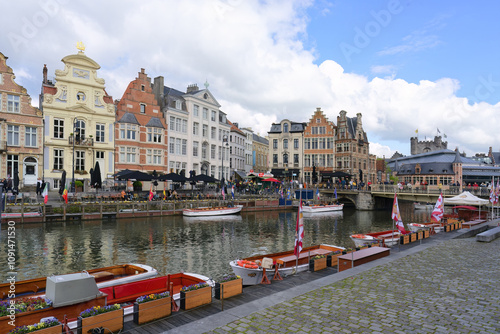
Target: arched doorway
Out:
[30,171]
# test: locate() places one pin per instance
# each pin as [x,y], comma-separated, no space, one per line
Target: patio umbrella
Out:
[204,178]
[340,174]
[92,177]
[271,179]
[62,185]
[15,190]
[97,176]
[173,177]
[136,175]
[122,173]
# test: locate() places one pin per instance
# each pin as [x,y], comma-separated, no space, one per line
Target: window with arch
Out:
[285,127]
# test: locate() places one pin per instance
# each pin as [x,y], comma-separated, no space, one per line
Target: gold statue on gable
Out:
[80,46]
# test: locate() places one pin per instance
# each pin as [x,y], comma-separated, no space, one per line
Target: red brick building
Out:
[140,130]
[21,130]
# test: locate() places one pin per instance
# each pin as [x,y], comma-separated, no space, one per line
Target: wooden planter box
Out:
[152,310]
[413,237]
[460,224]
[51,330]
[404,239]
[112,322]
[229,289]
[195,298]
[426,233]
[420,235]
[317,264]
[447,228]
[331,260]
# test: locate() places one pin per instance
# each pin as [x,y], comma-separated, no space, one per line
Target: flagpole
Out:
[297,235]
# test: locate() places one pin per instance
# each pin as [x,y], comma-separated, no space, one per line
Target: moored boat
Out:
[216,211]
[414,227]
[322,208]
[250,269]
[104,277]
[389,238]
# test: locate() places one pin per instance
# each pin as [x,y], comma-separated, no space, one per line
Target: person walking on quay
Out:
[38,186]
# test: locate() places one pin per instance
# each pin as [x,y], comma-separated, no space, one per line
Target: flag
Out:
[438,130]
[164,193]
[492,191]
[45,193]
[416,131]
[151,195]
[397,216]
[335,192]
[317,193]
[223,193]
[65,194]
[444,135]
[497,191]
[288,195]
[299,231]
[281,192]
[232,191]
[437,213]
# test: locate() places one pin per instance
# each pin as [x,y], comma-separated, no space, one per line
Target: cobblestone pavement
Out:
[452,287]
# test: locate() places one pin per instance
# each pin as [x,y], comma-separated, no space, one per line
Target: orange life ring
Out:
[247,264]
[358,236]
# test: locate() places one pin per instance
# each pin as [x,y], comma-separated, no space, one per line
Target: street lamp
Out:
[224,144]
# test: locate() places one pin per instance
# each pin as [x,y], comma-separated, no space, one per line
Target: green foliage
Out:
[78,184]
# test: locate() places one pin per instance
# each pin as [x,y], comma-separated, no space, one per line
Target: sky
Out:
[405,65]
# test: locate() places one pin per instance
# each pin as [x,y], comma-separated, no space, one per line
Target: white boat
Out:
[250,269]
[389,238]
[322,208]
[217,211]
[415,227]
[419,206]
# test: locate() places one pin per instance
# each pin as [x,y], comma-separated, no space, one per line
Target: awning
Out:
[241,175]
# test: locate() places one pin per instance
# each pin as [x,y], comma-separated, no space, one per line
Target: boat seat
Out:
[267,263]
[129,292]
[103,276]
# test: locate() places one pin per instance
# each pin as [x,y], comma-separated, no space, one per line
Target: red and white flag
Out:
[437,213]
[299,231]
[45,193]
[397,216]
[223,194]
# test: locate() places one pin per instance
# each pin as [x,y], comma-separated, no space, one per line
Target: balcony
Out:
[81,141]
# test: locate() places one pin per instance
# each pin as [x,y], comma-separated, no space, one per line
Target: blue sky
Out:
[403,64]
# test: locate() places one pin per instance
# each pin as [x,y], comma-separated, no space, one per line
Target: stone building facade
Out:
[260,153]
[79,121]
[21,131]
[319,138]
[426,146]
[141,135]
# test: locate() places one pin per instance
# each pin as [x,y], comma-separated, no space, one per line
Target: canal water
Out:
[175,244]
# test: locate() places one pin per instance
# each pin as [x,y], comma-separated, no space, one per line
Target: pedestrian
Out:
[9,183]
[39,186]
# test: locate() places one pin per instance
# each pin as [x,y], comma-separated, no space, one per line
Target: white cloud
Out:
[251,54]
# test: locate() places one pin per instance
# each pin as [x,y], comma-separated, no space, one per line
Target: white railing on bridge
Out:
[431,190]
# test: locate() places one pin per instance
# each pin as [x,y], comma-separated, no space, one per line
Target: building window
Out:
[275,159]
[79,160]
[322,130]
[214,116]
[205,130]
[178,104]
[196,112]
[13,135]
[307,160]
[307,143]
[295,158]
[205,113]
[154,135]
[314,143]
[178,144]
[285,144]
[195,148]
[172,123]
[184,126]
[285,128]
[212,152]
[128,154]
[143,108]
[128,131]
[30,137]
[171,145]
[285,158]
[153,157]
[99,132]
[99,154]
[275,144]
[13,103]
[314,130]
[196,129]
[184,147]
[58,159]
[213,132]
[296,143]
[58,128]
[142,88]
[204,148]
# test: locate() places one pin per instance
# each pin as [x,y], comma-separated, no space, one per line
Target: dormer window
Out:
[285,128]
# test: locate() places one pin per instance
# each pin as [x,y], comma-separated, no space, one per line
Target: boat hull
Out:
[207,212]
[322,208]
[415,227]
[388,238]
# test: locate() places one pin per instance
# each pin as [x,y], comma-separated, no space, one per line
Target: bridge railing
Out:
[431,190]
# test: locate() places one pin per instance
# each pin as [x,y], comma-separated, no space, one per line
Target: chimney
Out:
[44,73]
[192,88]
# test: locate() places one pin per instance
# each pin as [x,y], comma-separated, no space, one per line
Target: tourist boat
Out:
[250,269]
[104,277]
[86,294]
[322,208]
[388,238]
[216,211]
[420,206]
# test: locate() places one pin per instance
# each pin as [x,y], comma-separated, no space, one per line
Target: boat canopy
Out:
[466,198]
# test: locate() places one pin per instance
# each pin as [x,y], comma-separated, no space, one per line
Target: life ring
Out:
[247,264]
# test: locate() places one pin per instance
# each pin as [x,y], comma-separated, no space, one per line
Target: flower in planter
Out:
[194,287]
[229,277]
[336,252]
[31,328]
[26,305]
[152,296]
[96,310]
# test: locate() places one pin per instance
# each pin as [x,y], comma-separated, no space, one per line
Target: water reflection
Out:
[174,244]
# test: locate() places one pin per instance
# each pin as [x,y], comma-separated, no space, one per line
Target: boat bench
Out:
[488,235]
[129,292]
[285,259]
[21,289]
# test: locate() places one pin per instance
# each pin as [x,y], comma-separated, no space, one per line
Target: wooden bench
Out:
[488,235]
[355,259]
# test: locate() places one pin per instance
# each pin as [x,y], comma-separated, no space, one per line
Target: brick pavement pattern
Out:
[449,288]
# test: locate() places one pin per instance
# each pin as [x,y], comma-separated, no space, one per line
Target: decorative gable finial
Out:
[80,46]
